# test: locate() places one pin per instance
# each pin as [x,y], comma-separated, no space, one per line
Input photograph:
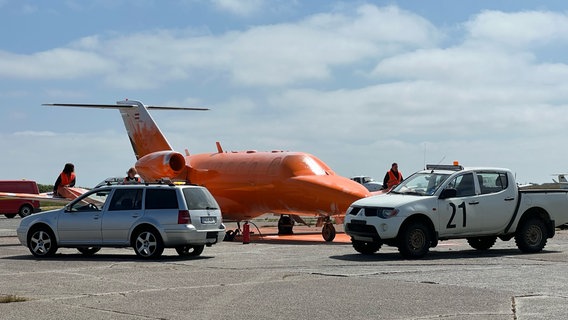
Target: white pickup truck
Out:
[450,202]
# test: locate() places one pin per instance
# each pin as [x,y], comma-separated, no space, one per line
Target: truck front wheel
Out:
[366,247]
[531,236]
[414,240]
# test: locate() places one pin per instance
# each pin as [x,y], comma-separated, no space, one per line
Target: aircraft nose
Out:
[330,194]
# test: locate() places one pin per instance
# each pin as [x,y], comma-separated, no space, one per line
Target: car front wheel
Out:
[41,242]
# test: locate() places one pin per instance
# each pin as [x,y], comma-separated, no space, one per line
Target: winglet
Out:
[219,149]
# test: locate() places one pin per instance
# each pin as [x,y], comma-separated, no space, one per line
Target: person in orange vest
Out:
[65,179]
[131,177]
[392,177]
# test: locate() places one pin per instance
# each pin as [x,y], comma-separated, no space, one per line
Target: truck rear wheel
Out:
[531,236]
[366,247]
[482,243]
[414,240]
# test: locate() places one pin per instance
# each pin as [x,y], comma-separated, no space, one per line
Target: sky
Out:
[358,84]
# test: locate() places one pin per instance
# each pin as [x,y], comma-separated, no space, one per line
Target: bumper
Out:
[375,230]
[192,236]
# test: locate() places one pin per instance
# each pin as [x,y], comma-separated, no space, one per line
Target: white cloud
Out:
[521,29]
[359,88]
[240,7]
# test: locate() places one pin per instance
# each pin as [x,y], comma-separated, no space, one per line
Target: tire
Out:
[414,240]
[366,247]
[25,211]
[42,242]
[89,251]
[328,232]
[481,243]
[190,251]
[531,236]
[148,244]
[10,215]
[285,225]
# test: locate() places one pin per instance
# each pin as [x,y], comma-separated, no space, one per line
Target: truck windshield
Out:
[421,183]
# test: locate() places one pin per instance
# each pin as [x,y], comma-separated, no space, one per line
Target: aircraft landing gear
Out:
[285,224]
[231,234]
[328,231]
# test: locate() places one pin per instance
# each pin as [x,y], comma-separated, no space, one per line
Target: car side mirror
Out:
[448,193]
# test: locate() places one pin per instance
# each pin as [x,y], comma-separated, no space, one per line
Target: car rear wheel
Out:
[148,244]
[89,251]
[25,211]
[41,242]
[190,251]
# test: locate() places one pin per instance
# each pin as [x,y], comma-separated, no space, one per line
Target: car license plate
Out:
[208,220]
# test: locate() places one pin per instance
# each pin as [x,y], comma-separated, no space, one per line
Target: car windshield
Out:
[421,183]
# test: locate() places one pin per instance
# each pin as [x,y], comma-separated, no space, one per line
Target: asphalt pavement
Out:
[274,279]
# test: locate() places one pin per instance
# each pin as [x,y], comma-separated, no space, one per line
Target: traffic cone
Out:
[246,233]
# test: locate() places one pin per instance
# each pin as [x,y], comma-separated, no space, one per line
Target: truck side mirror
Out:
[448,193]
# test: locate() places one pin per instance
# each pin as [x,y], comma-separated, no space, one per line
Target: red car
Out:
[24,208]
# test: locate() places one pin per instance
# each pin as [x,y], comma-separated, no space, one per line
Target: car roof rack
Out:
[451,167]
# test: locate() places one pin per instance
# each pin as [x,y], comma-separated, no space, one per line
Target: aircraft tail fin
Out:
[143,132]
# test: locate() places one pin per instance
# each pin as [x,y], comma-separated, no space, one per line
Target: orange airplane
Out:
[246,184]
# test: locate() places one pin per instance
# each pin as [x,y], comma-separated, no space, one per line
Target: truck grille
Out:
[361,228]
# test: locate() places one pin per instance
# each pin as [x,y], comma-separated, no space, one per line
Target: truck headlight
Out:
[386,213]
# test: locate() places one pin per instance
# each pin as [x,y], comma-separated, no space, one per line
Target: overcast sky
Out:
[358,84]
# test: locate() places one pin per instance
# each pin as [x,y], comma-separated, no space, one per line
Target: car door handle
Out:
[509,199]
[474,202]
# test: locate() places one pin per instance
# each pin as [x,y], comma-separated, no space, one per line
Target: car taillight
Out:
[183,217]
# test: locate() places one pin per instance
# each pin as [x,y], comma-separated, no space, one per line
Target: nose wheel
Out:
[328,232]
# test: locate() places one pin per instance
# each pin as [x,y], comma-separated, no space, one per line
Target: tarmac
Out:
[291,277]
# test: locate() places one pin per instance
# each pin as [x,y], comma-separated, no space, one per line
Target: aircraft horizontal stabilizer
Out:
[122,105]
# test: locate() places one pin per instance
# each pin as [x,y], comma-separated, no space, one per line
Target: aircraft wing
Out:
[69,194]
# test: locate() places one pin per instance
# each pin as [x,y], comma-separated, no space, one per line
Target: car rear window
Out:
[161,199]
[197,198]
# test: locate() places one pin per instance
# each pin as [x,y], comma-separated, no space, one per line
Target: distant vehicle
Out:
[368,182]
[452,202]
[23,207]
[148,218]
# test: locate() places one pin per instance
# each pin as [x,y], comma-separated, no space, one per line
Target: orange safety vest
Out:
[394,180]
[66,179]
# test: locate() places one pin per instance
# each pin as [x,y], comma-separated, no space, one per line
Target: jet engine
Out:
[161,164]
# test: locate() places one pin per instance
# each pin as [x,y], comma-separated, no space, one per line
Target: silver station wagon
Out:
[147,218]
